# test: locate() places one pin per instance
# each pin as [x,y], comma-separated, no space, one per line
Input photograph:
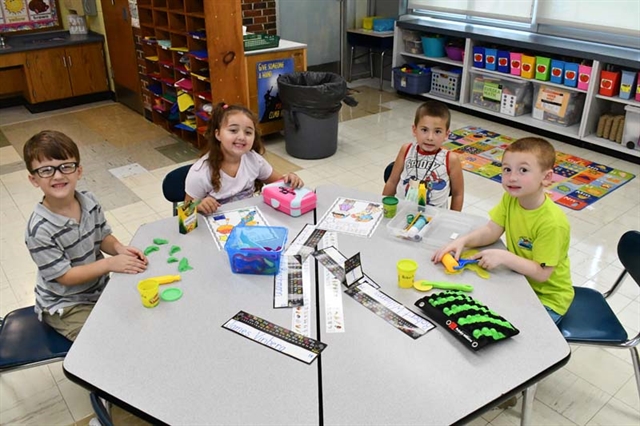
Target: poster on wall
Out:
[24,15]
[133,11]
[269,103]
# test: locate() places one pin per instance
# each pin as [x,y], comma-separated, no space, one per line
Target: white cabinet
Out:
[594,104]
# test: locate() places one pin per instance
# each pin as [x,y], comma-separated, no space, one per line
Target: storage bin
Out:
[543,68]
[256,249]
[557,71]
[584,76]
[478,56]
[433,46]
[411,83]
[412,46]
[412,35]
[501,95]
[515,63]
[399,225]
[445,82]
[571,74]
[556,105]
[528,66]
[638,88]
[503,61]
[454,53]
[490,58]
[383,24]
[609,83]
[367,22]
[627,84]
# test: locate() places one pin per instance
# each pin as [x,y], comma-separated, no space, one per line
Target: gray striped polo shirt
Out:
[58,243]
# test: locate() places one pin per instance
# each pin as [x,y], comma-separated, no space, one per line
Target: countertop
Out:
[47,40]
[284,45]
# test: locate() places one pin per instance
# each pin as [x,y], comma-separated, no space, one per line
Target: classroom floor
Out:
[125,159]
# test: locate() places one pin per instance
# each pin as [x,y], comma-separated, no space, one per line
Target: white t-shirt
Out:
[252,166]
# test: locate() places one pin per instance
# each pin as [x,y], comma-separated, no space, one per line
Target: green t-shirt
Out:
[541,235]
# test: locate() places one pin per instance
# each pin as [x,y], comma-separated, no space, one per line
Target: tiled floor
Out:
[124,165]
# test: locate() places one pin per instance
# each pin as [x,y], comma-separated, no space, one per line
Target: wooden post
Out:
[228,73]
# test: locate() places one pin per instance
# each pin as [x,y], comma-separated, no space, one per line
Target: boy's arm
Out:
[113,247]
[483,236]
[492,258]
[457,182]
[392,183]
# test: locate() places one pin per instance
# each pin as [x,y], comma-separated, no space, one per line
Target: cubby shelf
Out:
[594,104]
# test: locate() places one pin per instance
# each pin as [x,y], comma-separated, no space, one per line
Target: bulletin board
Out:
[29,15]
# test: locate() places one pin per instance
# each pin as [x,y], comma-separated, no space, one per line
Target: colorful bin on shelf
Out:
[571,74]
[528,66]
[367,22]
[557,71]
[515,63]
[584,77]
[433,47]
[638,89]
[609,83]
[478,57]
[412,83]
[505,96]
[543,68]
[556,105]
[490,59]
[503,61]
[445,82]
[627,84]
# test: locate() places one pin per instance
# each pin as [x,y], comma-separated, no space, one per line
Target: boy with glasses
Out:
[67,234]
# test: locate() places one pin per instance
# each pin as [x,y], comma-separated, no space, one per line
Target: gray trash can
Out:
[311,102]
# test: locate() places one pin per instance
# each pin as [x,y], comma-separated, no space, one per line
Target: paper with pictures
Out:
[221,223]
[333,308]
[350,216]
[304,243]
[290,282]
[275,337]
[388,309]
[301,315]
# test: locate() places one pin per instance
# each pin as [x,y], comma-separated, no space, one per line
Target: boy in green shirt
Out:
[537,230]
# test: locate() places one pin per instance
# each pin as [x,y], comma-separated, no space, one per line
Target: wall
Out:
[259,16]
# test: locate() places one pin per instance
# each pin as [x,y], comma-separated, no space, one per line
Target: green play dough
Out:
[184,265]
[172,260]
[174,249]
[160,241]
[150,250]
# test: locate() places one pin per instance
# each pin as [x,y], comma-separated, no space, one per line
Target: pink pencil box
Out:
[294,202]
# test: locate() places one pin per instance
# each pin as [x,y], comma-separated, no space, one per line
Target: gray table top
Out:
[375,374]
[175,363]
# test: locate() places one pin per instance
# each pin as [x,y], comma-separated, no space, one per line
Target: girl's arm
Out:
[208,205]
[392,183]
[457,182]
[290,178]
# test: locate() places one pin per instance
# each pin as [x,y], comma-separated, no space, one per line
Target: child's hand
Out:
[293,180]
[127,264]
[208,205]
[132,251]
[491,258]
[455,248]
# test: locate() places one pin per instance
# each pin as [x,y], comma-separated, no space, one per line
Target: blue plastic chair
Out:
[173,186]
[591,321]
[27,342]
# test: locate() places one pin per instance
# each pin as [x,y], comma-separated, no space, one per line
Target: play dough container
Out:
[406,272]
[389,206]
[149,293]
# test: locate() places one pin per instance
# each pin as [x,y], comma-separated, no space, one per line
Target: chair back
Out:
[173,185]
[25,341]
[387,171]
[629,253]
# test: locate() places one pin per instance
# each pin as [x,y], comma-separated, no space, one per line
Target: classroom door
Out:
[316,23]
[122,53]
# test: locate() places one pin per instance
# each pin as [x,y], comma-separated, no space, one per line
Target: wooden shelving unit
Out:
[188,44]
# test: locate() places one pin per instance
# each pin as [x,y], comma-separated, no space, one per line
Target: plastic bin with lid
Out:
[557,106]
[510,97]
[412,80]
[448,225]
[256,249]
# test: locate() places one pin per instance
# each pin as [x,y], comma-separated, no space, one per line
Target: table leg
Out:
[381,67]
[351,62]
[527,405]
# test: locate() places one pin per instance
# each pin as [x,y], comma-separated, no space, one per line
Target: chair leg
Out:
[351,62]
[370,63]
[636,365]
[527,405]
[381,68]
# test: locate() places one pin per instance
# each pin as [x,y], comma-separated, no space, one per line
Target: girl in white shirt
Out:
[234,168]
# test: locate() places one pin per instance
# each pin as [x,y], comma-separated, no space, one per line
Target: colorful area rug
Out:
[577,183]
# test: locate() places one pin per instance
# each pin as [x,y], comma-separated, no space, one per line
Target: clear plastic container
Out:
[256,249]
[400,227]
[448,225]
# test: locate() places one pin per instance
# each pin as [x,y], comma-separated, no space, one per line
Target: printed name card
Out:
[275,337]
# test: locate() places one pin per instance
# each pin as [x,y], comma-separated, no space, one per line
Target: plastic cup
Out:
[389,206]
[406,272]
[149,292]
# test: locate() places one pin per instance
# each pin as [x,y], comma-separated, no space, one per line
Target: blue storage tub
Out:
[411,83]
[256,249]
[383,24]
[434,46]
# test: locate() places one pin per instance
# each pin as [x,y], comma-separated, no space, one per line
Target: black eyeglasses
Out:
[48,171]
